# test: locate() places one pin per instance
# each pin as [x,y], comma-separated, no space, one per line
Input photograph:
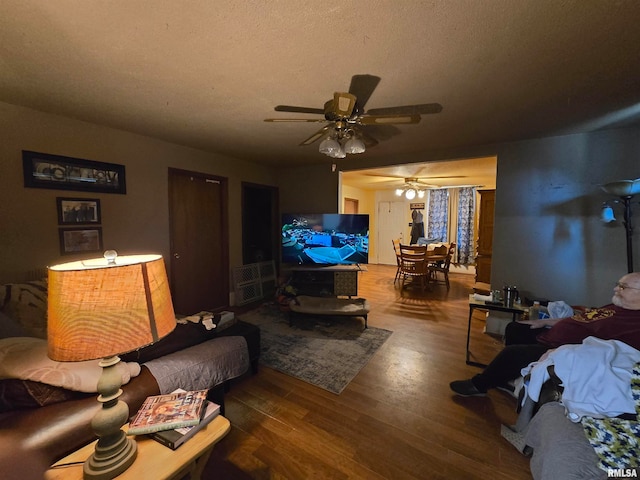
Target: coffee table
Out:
[154,460]
[329,306]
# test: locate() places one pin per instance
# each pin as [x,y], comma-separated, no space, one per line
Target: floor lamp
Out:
[98,309]
[625,189]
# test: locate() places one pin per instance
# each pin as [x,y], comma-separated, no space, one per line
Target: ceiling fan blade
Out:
[382,132]
[362,86]
[423,109]
[389,119]
[289,108]
[343,104]
[316,136]
[312,120]
[368,140]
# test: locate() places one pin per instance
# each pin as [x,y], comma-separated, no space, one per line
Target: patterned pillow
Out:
[10,328]
[26,303]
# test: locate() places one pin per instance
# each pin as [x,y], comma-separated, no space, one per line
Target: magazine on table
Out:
[176,437]
[169,411]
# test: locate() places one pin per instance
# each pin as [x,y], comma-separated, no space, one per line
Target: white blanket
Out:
[596,376]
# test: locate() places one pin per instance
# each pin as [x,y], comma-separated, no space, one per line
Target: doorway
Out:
[351,205]
[391,225]
[260,223]
[199,233]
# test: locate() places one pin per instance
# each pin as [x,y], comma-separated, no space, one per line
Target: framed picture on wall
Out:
[80,240]
[76,211]
[43,170]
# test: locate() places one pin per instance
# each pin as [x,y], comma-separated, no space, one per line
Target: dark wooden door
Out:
[199,241]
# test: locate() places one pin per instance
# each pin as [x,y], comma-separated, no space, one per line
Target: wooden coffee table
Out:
[153,458]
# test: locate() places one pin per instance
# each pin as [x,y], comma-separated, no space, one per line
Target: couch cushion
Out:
[26,303]
[25,358]
[202,366]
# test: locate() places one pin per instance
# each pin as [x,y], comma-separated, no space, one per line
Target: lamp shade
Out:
[623,188]
[354,145]
[329,146]
[99,308]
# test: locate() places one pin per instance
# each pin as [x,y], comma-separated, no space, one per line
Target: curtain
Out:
[465,235]
[451,219]
[438,214]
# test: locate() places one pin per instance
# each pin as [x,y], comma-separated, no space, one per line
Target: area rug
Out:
[324,351]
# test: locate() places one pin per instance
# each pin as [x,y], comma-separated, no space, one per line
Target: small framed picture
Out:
[76,211]
[80,240]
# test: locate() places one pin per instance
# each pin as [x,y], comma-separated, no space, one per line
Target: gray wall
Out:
[548,237]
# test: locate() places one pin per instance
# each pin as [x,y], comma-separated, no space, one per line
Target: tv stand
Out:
[326,280]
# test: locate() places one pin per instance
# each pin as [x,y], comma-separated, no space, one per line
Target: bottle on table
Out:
[534,311]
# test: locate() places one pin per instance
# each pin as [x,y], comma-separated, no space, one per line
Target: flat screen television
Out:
[325,238]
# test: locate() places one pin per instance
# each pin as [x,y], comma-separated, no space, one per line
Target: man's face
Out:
[626,293]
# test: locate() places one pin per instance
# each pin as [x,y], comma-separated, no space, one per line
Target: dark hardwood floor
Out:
[396,420]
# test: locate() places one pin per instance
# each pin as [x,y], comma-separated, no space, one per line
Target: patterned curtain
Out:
[438,213]
[466,209]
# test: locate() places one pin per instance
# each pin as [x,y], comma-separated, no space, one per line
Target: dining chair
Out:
[396,249]
[442,267]
[413,264]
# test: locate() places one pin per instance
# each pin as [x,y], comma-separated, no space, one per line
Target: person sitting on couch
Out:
[526,343]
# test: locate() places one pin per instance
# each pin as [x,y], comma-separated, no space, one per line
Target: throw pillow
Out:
[26,303]
[10,328]
[26,358]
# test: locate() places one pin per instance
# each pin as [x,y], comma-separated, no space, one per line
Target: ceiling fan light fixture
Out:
[340,153]
[399,192]
[410,193]
[354,145]
[420,193]
[330,146]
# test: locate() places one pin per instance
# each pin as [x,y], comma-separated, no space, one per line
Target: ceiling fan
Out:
[350,128]
[415,186]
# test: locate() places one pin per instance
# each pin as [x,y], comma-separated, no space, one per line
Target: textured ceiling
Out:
[207,73]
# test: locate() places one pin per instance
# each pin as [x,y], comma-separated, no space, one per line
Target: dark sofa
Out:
[39,423]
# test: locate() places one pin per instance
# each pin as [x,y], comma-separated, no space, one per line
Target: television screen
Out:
[325,238]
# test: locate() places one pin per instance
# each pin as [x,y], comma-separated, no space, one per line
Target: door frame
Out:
[275,218]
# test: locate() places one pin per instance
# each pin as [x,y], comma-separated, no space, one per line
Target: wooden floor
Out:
[396,420]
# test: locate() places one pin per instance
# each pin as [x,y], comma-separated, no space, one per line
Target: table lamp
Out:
[101,308]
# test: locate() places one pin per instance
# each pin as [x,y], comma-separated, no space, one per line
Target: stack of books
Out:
[174,418]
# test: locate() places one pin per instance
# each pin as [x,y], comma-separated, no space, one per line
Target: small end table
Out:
[153,457]
[516,311]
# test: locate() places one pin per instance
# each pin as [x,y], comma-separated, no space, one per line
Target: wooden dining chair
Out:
[442,267]
[413,264]
[396,249]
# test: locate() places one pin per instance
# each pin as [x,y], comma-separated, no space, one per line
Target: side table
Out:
[154,460]
[516,311]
